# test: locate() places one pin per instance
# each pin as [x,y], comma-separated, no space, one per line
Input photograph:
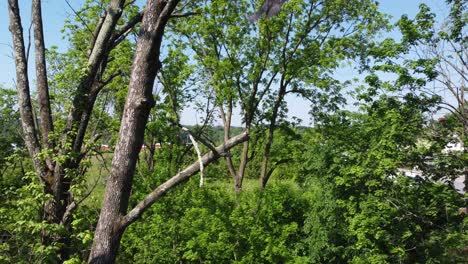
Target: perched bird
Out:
[269,7]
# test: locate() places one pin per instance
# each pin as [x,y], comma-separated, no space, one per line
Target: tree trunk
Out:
[112,241]
[243,165]
[43,99]
[22,85]
[227,133]
[137,107]
[49,211]
[264,176]
[96,62]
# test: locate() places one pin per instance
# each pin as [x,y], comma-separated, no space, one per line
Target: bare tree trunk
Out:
[45,112]
[49,210]
[22,86]
[243,164]
[119,226]
[226,117]
[137,107]
[53,175]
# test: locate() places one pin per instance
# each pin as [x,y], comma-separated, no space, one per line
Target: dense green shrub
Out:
[212,225]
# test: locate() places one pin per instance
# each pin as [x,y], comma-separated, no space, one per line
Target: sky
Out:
[56,11]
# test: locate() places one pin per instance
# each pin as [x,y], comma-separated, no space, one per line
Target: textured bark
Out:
[137,107]
[50,208]
[52,211]
[45,114]
[86,116]
[22,85]
[60,207]
[82,106]
[118,227]
[98,56]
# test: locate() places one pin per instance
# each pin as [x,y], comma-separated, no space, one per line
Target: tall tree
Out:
[57,158]
[442,55]
[314,43]
[293,52]
[115,217]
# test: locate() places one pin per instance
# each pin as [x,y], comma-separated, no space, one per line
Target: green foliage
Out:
[325,240]
[286,152]
[22,226]
[244,63]
[210,224]
[337,194]
[385,217]
[410,223]
[10,127]
[66,68]
[21,205]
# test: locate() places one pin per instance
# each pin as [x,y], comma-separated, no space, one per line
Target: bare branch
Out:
[199,138]
[180,177]
[29,42]
[128,26]
[197,149]
[79,17]
[95,33]
[187,14]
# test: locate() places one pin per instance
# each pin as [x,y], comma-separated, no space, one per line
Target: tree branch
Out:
[180,177]
[126,28]
[187,14]
[99,53]
[200,161]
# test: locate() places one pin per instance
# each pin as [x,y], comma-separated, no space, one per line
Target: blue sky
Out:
[56,11]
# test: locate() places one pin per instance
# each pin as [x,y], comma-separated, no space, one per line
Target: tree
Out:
[321,38]
[442,54]
[57,159]
[257,66]
[114,218]
[369,212]
[294,52]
